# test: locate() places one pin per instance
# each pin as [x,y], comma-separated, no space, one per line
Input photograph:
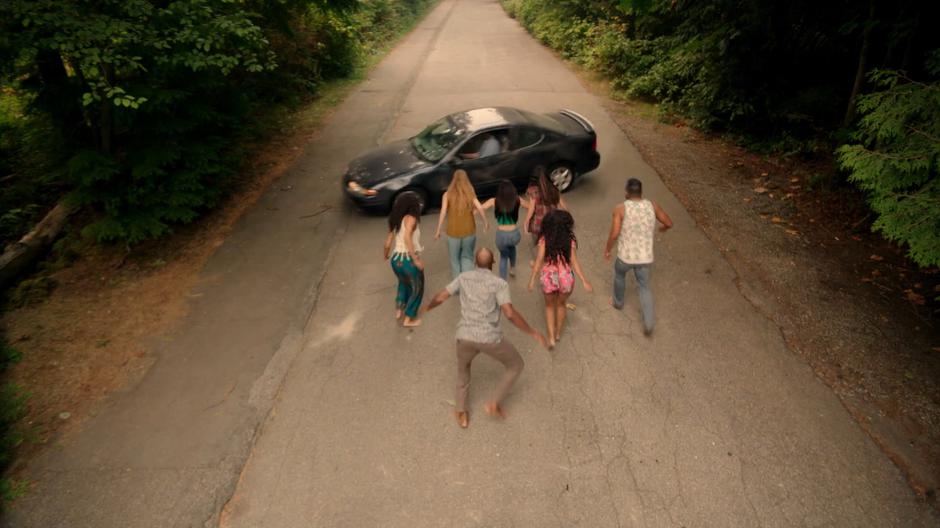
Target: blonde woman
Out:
[457,208]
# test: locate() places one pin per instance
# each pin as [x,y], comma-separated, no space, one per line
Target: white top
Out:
[635,244]
[400,247]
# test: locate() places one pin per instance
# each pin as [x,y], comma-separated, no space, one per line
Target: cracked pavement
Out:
[712,422]
[299,402]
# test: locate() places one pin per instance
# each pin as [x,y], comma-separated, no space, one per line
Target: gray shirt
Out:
[481,295]
[489,147]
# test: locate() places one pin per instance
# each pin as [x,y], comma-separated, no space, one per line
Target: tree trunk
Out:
[20,256]
[862,59]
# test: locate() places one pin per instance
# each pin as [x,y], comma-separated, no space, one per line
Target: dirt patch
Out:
[90,337]
[847,302]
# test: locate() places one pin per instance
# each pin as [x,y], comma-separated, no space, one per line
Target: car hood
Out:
[384,162]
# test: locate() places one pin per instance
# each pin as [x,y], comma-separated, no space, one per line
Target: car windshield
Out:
[437,139]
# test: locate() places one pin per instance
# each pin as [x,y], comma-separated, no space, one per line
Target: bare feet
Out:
[493,409]
[411,323]
[551,343]
[398,314]
[463,418]
[512,272]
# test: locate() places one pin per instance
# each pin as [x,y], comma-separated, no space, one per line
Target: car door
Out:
[530,147]
[485,173]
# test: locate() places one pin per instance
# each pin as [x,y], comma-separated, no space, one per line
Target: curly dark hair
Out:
[405,204]
[558,233]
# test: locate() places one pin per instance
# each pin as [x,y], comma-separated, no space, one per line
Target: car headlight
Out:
[360,190]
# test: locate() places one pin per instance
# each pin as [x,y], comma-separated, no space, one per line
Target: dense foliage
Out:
[897,161]
[787,76]
[12,408]
[140,107]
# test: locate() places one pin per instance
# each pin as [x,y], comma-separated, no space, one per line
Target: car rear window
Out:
[543,121]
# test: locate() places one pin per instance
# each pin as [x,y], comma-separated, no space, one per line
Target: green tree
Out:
[138,89]
[896,160]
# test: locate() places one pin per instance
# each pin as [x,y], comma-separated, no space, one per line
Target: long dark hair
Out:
[558,233]
[507,198]
[405,204]
[548,193]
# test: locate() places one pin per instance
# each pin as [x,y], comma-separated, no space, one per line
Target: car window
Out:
[524,137]
[543,121]
[437,139]
[476,143]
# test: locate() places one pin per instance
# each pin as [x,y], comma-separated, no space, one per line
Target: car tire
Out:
[421,194]
[562,175]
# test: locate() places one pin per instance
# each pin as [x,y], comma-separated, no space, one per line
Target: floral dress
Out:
[556,276]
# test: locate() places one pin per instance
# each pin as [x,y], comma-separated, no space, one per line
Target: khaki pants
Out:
[503,352]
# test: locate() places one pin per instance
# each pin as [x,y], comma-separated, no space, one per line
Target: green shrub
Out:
[154,99]
[896,160]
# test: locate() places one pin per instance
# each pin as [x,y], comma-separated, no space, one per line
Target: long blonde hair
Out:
[460,194]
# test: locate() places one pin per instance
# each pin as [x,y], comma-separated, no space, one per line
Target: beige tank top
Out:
[635,244]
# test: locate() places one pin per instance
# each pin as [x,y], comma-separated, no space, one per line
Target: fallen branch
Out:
[20,256]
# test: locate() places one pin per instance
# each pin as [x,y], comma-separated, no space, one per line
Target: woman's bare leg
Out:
[561,311]
[550,310]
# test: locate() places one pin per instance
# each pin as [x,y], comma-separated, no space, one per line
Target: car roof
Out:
[484,118]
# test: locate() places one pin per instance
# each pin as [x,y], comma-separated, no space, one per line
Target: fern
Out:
[896,159]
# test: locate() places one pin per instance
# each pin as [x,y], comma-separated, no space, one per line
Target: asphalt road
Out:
[291,398]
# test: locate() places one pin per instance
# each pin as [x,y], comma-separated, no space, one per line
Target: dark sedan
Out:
[563,142]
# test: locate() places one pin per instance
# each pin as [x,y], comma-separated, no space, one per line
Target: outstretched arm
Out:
[662,217]
[437,300]
[489,203]
[614,230]
[388,244]
[537,266]
[530,212]
[520,323]
[479,208]
[576,265]
[441,216]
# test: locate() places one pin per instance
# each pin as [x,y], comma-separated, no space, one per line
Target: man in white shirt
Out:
[489,147]
[632,229]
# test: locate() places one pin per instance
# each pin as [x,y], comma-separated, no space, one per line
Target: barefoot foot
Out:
[463,418]
[398,314]
[411,323]
[493,409]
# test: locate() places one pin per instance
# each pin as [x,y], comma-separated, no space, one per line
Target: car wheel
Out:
[420,194]
[562,175]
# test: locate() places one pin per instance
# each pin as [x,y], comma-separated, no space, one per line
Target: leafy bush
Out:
[896,160]
[152,100]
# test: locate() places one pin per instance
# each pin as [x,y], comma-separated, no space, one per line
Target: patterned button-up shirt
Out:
[481,295]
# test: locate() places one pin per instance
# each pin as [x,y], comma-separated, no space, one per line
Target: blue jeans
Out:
[410,285]
[461,253]
[642,273]
[506,242]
